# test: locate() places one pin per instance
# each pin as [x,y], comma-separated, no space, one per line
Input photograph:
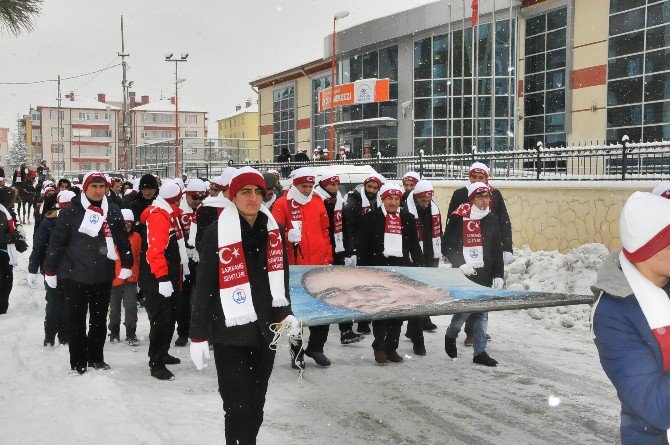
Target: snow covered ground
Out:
[548,388]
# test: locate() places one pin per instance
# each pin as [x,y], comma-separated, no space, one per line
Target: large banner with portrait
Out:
[333,294]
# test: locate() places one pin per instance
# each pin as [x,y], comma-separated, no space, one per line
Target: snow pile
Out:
[570,273]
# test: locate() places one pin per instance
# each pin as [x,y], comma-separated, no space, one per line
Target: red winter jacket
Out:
[135,244]
[162,250]
[315,248]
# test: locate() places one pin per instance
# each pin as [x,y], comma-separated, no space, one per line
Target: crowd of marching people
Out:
[101,244]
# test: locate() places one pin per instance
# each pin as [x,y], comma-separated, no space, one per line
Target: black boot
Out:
[131,337]
[181,341]
[428,325]
[114,334]
[171,360]
[419,347]
[364,328]
[450,347]
[483,359]
[161,373]
[348,337]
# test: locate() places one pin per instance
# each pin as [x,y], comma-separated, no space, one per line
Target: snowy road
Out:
[423,400]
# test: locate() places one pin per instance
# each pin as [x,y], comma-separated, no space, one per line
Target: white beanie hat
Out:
[411,176]
[65,196]
[390,189]
[179,182]
[477,187]
[662,189]
[128,215]
[479,167]
[227,176]
[170,191]
[423,189]
[644,226]
[329,175]
[303,175]
[196,185]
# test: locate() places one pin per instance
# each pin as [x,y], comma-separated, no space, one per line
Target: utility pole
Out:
[124,119]
[60,149]
[177,80]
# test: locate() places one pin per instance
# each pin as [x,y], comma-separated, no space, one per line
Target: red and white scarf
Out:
[187,219]
[295,201]
[95,220]
[473,246]
[392,234]
[234,288]
[161,203]
[655,306]
[337,216]
[365,202]
[219,202]
[11,248]
[436,232]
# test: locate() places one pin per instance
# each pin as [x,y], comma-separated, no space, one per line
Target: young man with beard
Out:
[81,258]
[429,230]
[195,193]
[328,189]
[306,221]
[388,237]
[480,173]
[359,203]
[211,207]
[243,290]
[472,242]
[409,181]
[161,276]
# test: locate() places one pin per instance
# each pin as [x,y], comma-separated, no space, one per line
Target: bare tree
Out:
[17,15]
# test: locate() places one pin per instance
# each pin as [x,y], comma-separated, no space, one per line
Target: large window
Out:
[446,118]
[544,81]
[638,72]
[321,135]
[283,119]
[368,141]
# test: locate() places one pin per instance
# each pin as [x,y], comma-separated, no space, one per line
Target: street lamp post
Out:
[339,15]
[169,58]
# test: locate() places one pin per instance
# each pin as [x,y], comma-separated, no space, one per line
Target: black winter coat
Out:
[426,218]
[352,220]
[41,242]
[207,318]
[371,241]
[338,258]
[79,257]
[498,208]
[452,248]
[204,218]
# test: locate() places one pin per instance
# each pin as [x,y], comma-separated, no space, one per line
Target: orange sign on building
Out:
[359,92]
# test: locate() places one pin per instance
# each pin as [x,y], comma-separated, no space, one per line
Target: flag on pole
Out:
[475,12]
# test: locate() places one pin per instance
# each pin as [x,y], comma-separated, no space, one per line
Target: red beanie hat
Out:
[91,176]
[245,176]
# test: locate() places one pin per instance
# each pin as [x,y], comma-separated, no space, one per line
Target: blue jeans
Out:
[479,325]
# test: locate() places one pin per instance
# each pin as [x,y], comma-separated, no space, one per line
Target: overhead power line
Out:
[62,78]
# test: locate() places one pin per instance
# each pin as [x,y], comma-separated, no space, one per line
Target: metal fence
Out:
[647,161]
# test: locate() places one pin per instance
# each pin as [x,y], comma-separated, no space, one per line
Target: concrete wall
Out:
[558,216]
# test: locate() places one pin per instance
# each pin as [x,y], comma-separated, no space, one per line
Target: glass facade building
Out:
[638,74]
[545,80]
[283,119]
[446,87]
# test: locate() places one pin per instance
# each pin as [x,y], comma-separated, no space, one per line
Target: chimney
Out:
[101,97]
[238,107]
[172,100]
[131,97]
[248,103]
[145,100]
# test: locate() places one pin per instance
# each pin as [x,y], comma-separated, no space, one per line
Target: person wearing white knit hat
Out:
[328,189]
[471,242]
[228,174]
[388,237]
[304,216]
[162,273]
[479,172]
[631,319]
[194,195]
[428,219]
[359,201]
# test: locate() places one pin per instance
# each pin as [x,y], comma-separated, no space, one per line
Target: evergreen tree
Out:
[18,152]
